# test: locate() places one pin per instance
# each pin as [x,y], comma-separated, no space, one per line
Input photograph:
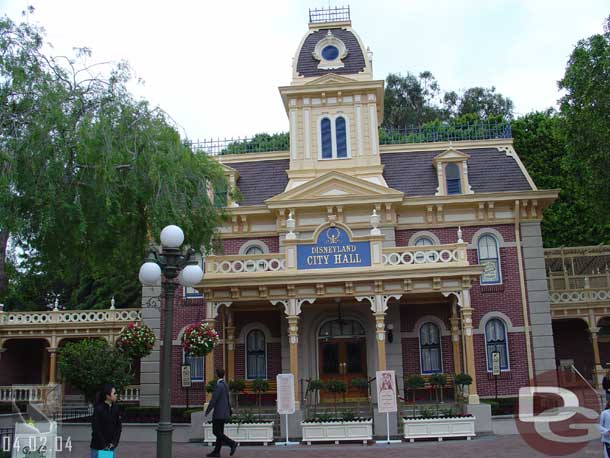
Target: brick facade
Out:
[505,298]
[232,246]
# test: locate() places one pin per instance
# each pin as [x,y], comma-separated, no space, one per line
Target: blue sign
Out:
[333,249]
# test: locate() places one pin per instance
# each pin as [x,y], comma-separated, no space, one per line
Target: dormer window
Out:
[453,179]
[452,172]
[334,141]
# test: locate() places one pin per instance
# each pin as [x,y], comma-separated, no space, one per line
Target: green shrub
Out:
[336,387]
[414,382]
[88,363]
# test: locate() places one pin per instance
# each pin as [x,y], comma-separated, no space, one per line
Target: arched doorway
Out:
[342,355]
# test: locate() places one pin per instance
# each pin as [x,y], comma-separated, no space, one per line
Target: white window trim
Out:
[246,353]
[492,235]
[253,243]
[487,366]
[194,380]
[440,346]
[421,234]
[333,135]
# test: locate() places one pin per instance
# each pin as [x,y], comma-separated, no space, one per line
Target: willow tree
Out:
[88,175]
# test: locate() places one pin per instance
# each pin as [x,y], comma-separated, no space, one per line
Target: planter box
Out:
[438,428]
[242,432]
[338,431]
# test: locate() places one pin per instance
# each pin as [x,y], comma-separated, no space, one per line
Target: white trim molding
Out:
[253,243]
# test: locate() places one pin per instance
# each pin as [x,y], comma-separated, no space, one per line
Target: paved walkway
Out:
[483,447]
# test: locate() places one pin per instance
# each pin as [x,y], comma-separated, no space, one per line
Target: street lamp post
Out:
[165,267]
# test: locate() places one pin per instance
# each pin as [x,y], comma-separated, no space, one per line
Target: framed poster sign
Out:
[186,375]
[386,391]
[285,394]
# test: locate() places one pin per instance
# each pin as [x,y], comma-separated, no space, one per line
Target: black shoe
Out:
[213,454]
[233,448]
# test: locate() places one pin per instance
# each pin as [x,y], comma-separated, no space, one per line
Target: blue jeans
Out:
[94,453]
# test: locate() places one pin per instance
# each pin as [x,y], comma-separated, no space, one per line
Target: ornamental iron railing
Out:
[262,143]
[324,15]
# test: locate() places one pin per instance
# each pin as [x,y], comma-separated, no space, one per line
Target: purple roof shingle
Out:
[489,170]
[260,180]
[354,61]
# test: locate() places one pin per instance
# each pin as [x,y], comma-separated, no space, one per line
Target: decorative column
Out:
[230,329]
[455,338]
[292,308]
[52,365]
[473,397]
[379,305]
[210,319]
[598,372]
[380,337]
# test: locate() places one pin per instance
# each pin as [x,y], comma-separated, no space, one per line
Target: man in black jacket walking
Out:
[106,422]
[222,411]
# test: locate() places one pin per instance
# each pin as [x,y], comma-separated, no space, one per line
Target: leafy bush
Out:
[88,363]
[259,386]
[414,382]
[336,387]
[460,381]
[312,389]
[236,387]
[210,386]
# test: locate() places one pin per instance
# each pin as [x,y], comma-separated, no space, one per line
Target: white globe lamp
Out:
[191,275]
[150,274]
[172,236]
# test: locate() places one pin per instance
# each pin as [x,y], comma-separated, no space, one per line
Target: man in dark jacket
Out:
[106,422]
[222,411]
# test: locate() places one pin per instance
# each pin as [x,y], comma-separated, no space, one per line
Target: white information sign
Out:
[285,394]
[186,375]
[386,391]
[495,363]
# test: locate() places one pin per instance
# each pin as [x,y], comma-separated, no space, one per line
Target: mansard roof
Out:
[411,172]
[354,62]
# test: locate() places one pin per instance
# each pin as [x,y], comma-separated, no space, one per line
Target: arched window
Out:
[196,363]
[254,249]
[424,241]
[495,338]
[489,256]
[430,348]
[453,179]
[341,328]
[341,137]
[327,139]
[256,355]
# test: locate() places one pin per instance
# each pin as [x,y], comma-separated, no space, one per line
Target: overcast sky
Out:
[215,66]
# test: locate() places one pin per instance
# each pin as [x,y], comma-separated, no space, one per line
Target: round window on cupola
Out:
[330,52]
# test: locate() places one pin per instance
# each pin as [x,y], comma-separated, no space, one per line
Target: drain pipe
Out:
[526,323]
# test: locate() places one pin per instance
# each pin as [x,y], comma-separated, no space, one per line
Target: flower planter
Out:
[242,432]
[438,428]
[337,431]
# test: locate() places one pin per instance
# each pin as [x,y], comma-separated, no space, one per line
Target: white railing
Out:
[70,316]
[439,254]
[72,413]
[574,297]
[23,393]
[131,393]
[235,264]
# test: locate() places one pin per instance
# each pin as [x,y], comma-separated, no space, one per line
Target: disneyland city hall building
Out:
[357,250]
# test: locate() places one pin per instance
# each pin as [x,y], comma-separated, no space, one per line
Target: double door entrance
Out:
[343,358]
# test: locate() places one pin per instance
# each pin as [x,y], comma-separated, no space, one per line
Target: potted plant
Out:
[136,341]
[259,386]
[199,339]
[335,428]
[313,388]
[461,381]
[244,427]
[360,384]
[236,387]
[429,424]
[414,382]
[438,382]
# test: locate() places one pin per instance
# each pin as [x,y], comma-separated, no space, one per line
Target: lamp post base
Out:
[164,440]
